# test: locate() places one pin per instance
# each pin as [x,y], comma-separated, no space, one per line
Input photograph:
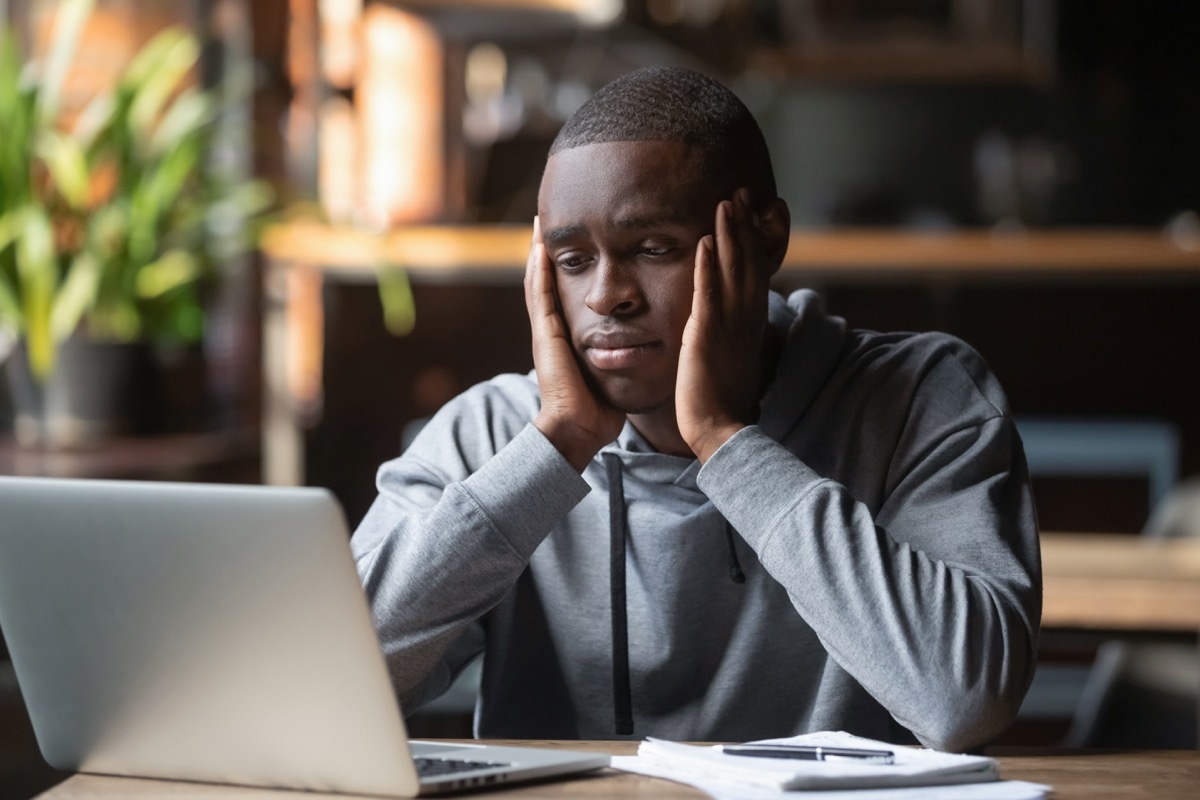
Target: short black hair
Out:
[673,104]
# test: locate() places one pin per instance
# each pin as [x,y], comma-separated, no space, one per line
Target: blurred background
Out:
[320,210]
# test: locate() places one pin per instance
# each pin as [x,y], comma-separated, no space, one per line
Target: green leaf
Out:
[175,269]
[10,306]
[250,198]
[10,226]
[68,26]
[161,193]
[37,269]
[234,223]
[108,230]
[76,295]
[96,117]
[17,98]
[395,294]
[181,320]
[68,166]
[190,114]
[160,197]
[10,74]
[154,75]
[119,321]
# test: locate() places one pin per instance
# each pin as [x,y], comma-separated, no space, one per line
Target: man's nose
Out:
[615,290]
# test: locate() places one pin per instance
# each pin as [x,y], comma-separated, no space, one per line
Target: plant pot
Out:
[96,391]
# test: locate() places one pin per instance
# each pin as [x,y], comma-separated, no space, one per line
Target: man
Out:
[709,513]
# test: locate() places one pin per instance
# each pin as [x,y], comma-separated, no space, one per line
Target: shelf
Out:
[498,253]
[894,62]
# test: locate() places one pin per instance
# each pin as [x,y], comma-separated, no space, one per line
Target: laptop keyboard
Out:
[436,767]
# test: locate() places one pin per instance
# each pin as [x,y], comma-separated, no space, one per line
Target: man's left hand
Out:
[718,385]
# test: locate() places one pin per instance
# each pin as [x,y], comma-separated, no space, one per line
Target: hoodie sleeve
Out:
[933,603]
[455,522]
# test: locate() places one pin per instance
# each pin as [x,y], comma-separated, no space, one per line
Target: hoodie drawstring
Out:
[622,694]
[619,534]
[735,567]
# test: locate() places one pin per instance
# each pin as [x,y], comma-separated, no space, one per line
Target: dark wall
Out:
[376,383]
[1128,349]
[1128,83]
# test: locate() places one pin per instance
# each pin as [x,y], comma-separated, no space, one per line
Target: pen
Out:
[808,752]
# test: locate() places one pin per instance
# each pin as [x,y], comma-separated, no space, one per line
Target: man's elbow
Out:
[958,724]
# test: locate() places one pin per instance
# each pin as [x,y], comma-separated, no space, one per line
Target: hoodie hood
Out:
[813,342]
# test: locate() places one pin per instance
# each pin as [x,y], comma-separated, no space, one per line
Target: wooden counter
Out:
[1119,582]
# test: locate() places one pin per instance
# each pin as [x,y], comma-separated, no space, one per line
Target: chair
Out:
[1103,447]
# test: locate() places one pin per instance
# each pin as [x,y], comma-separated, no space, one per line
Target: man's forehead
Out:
[650,180]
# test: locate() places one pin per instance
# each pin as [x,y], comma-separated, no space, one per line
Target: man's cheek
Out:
[567,305]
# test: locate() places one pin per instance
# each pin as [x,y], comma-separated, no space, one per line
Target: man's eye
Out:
[657,252]
[571,261]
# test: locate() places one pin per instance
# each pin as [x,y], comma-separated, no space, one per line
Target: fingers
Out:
[704,292]
[531,262]
[746,278]
[729,258]
[539,285]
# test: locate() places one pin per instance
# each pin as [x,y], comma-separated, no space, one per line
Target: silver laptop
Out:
[213,633]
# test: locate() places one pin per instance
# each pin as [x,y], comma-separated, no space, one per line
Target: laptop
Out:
[217,634]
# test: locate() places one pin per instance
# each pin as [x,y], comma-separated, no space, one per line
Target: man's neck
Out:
[661,432]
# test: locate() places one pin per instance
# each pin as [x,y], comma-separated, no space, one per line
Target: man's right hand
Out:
[572,417]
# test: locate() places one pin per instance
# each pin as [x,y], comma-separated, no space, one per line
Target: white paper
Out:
[993,790]
[922,773]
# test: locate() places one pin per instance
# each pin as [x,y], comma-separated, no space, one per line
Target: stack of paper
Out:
[728,776]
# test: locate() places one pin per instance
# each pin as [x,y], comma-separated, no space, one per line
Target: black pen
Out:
[808,752]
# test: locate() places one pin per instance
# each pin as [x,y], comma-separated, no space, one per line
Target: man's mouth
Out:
[609,358]
[618,351]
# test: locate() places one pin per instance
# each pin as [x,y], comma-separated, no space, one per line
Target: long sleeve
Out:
[933,602]
[455,523]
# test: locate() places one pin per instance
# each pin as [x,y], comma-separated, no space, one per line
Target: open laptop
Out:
[213,633]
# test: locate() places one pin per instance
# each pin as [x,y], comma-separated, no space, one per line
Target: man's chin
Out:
[629,396]
[631,405]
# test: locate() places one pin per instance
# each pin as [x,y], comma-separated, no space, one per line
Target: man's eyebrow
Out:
[557,236]
[640,223]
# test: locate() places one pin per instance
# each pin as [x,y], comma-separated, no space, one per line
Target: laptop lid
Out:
[203,632]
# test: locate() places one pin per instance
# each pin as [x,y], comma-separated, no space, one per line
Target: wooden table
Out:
[1120,583]
[1169,775]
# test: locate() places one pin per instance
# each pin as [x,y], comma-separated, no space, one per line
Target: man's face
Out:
[620,222]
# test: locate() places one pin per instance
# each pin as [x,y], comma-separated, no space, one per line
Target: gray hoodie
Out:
[884,528]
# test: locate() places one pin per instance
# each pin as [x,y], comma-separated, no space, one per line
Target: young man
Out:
[709,513]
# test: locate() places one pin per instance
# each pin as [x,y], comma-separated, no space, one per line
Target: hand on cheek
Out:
[720,362]
[575,421]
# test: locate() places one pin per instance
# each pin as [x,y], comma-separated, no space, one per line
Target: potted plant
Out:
[111,232]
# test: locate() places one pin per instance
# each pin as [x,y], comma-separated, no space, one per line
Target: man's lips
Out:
[618,351]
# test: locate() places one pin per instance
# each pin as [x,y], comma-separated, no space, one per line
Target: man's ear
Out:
[774,222]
